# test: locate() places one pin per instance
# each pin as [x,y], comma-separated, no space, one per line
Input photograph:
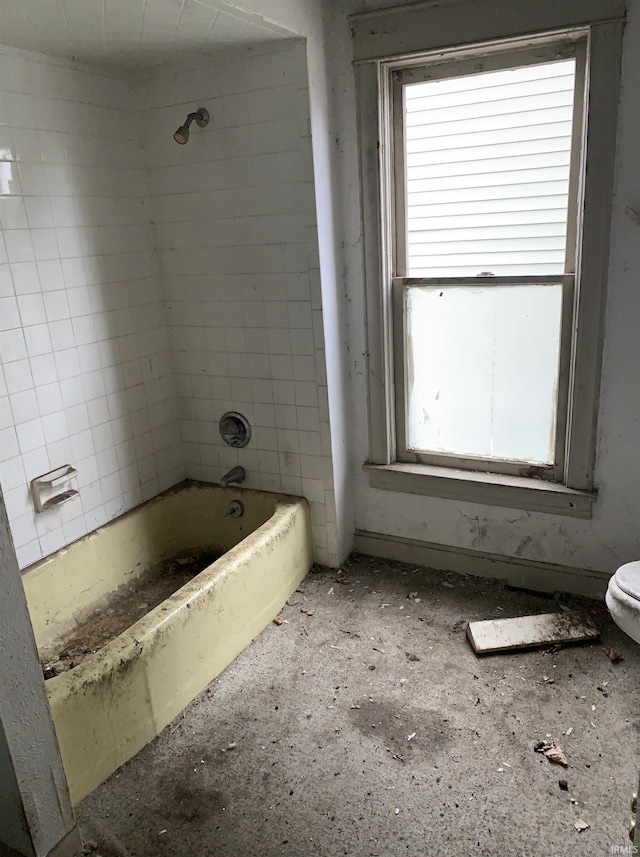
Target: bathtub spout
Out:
[235,475]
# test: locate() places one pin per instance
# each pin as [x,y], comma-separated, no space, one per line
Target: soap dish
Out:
[54,488]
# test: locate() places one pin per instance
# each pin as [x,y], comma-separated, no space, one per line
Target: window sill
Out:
[513,492]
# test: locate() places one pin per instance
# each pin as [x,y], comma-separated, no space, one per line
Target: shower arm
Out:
[190,118]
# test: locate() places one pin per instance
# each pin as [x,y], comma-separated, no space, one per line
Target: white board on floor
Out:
[523,632]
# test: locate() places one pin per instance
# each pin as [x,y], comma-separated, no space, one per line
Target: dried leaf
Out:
[552,752]
[555,754]
[614,655]
[552,649]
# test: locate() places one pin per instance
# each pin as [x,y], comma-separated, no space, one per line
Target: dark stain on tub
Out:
[122,608]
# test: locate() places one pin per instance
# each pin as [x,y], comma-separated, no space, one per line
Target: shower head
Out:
[201,117]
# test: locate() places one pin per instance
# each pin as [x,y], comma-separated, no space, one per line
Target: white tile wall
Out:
[235,228]
[84,365]
[101,348]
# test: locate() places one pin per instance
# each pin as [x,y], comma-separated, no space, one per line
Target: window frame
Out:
[383,40]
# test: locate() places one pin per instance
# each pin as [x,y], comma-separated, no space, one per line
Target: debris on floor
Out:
[277,621]
[552,752]
[564,785]
[614,655]
[581,825]
[525,632]
[340,737]
[552,649]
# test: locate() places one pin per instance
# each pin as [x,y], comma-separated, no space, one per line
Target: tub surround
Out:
[147,287]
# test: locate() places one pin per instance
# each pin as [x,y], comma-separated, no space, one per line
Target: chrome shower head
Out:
[201,117]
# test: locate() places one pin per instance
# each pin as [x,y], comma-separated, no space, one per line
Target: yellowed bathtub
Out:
[119,698]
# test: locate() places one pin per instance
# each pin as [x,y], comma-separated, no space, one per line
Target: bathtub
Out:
[119,698]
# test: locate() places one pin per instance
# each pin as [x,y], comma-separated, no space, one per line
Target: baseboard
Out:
[524,573]
[69,846]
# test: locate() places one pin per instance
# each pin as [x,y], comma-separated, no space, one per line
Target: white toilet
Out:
[623,599]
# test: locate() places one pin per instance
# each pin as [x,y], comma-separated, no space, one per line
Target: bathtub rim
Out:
[178,488]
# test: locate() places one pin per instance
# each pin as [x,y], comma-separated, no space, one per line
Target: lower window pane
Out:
[482,370]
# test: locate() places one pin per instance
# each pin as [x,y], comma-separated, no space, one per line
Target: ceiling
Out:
[130,34]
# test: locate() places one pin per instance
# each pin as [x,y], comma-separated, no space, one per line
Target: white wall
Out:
[613,535]
[600,543]
[84,376]
[237,243]
[35,810]
[316,21]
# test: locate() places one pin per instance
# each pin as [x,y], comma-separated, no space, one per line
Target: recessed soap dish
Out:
[54,488]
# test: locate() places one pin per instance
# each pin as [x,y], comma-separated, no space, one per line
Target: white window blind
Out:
[487,160]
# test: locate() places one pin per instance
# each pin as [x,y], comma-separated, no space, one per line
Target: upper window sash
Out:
[462,64]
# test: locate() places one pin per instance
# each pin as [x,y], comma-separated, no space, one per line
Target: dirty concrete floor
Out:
[371,728]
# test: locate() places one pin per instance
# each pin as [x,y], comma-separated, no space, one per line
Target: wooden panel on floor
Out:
[524,632]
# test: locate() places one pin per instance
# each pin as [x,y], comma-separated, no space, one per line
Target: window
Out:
[483,259]
[491,211]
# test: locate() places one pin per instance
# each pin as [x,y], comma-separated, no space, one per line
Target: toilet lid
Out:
[628,579]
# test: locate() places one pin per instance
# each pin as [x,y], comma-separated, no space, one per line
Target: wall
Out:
[85,376]
[35,812]
[235,228]
[613,535]
[335,195]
